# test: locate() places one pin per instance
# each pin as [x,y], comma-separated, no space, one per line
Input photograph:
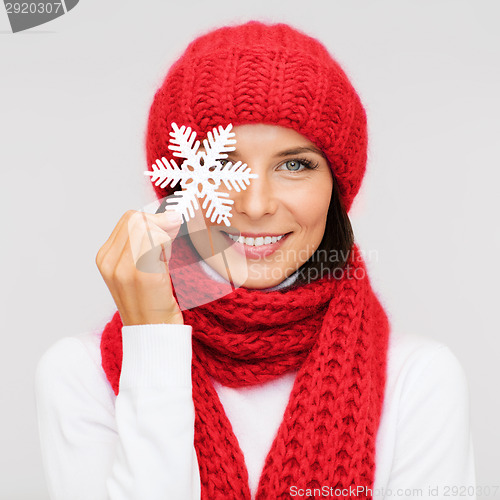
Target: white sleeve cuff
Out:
[156,355]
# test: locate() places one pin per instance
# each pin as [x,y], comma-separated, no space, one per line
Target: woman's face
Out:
[287,200]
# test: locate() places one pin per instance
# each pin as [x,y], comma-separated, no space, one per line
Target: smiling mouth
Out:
[256,241]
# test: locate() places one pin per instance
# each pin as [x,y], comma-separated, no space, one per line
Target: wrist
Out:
[169,319]
[176,319]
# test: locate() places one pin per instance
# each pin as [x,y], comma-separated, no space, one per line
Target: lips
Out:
[255,252]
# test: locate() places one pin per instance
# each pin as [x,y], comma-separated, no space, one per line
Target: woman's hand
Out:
[141,241]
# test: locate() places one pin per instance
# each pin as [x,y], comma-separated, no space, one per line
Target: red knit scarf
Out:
[333,331]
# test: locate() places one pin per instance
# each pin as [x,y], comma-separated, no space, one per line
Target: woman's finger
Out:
[151,250]
[116,239]
[148,232]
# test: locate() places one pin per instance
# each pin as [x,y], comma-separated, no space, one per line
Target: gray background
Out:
[74,99]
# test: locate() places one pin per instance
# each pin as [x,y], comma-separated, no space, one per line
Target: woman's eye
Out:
[223,163]
[294,165]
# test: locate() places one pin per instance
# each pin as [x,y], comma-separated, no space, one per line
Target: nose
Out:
[257,200]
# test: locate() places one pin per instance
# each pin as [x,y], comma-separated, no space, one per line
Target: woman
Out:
[268,369]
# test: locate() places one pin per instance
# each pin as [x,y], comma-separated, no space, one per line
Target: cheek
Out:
[310,206]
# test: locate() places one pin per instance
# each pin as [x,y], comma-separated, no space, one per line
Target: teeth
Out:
[256,242]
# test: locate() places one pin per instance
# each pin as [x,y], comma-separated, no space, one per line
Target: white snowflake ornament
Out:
[201,173]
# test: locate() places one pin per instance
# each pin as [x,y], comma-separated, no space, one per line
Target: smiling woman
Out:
[290,383]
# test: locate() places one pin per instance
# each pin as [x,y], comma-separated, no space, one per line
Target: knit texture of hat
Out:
[260,73]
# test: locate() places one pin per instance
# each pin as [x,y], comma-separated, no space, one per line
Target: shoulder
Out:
[72,362]
[416,361]
[68,351]
[425,386]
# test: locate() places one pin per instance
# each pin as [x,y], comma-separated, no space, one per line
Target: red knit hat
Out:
[260,73]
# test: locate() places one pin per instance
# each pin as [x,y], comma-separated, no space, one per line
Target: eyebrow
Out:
[290,152]
[287,152]
[299,150]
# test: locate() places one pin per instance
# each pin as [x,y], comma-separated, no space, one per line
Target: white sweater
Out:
[139,445]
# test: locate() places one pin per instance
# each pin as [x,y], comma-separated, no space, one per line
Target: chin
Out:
[258,286]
